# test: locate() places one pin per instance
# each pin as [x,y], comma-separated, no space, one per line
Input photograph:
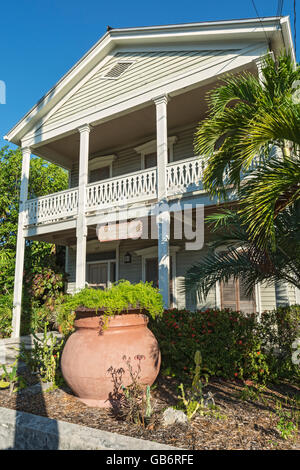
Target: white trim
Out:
[258,299]
[20,249]
[232,29]
[174,278]
[218,295]
[118,261]
[100,162]
[297,295]
[99,261]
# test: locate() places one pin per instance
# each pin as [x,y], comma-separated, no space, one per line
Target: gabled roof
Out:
[274,30]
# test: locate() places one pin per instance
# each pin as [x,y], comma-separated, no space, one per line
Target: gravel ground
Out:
[237,424]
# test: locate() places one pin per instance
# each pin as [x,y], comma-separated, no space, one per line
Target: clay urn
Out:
[98,357]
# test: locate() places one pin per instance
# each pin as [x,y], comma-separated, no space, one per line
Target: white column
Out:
[81,230]
[20,252]
[163,218]
[162,145]
[163,223]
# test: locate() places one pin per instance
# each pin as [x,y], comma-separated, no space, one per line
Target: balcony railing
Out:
[182,177]
[52,207]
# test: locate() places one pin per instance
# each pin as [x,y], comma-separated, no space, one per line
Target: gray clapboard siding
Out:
[183,148]
[148,68]
[71,265]
[185,259]
[291,294]
[281,292]
[268,297]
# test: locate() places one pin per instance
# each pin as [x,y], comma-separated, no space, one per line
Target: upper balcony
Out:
[183,177]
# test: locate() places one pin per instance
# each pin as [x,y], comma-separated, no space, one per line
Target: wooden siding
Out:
[268,297]
[291,294]
[185,259]
[149,68]
[281,294]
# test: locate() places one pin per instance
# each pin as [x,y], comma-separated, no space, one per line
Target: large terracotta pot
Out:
[95,363]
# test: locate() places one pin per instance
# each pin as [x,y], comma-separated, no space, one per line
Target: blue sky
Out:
[41,40]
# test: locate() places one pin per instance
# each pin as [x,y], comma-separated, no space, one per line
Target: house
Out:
[122,121]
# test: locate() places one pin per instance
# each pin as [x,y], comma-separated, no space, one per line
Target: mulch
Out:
[242,424]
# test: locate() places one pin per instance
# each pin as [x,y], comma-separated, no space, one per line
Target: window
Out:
[149,155]
[150,160]
[99,174]
[118,69]
[100,168]
[233,296]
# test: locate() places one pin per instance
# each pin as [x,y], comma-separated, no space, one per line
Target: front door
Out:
[152,271]
[152,275]
[98,274]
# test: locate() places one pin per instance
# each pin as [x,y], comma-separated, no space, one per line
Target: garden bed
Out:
[242,420]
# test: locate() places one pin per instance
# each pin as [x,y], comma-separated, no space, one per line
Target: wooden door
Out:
[98,274]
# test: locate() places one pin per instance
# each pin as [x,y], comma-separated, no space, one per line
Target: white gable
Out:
[143,71]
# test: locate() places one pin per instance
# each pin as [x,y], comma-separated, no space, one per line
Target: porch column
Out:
[20,252]
[81,229]
[163,217]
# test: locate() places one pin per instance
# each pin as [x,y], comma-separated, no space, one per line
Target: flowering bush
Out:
[231,343]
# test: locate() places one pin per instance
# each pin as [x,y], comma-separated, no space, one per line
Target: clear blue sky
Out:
[41,39]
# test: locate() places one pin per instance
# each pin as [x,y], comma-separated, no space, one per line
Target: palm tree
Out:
[242,258]
[253,130]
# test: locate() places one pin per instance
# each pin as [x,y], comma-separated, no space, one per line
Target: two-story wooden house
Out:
[122,122]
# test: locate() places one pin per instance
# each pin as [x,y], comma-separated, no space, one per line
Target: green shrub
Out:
[232,344]
[278,329]
[121,296]
[6,305]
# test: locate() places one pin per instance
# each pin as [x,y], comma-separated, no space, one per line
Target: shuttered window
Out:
[99,174]
[150,160]
[233,296]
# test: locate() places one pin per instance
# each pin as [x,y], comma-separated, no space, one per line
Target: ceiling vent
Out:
[117,70]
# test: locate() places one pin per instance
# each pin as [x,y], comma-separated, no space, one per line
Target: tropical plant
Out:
[45,178]
[10,378]
[242,258]
[118,298]
[253,130]
[44,356]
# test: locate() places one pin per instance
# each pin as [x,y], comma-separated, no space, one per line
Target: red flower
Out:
[236,374]
[240,341]
[193,336]
[258,353]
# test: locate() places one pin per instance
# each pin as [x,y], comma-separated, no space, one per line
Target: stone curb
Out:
[20,430]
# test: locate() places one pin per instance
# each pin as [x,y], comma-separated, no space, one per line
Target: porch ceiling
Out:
[128,130]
